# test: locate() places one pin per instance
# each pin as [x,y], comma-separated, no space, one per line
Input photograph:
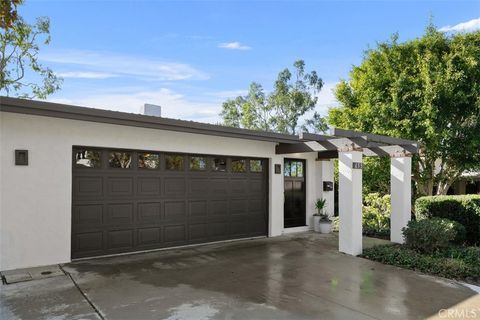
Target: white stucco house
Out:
[80,182]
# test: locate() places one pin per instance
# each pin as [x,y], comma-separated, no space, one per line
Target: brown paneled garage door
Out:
[126,200]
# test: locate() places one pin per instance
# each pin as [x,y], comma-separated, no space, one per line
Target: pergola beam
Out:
[286,148]
[391,151]
[370,137]
[341,140]
[326,155]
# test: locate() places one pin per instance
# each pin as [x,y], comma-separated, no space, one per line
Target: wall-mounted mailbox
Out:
[21,157]
[327,186]
[278,168]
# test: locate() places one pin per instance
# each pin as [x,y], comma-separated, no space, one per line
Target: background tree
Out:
[315,124]
[20,72]
[292,97]
[8,12]
[426,89]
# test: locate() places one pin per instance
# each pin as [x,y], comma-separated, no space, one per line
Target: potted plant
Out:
[321,220]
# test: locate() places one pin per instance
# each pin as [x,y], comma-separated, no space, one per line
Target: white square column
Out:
[350,202]
[401,196]
[325,172]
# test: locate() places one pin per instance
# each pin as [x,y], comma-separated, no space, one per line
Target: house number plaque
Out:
[357,165]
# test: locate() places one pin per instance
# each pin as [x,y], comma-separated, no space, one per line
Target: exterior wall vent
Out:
[151,110]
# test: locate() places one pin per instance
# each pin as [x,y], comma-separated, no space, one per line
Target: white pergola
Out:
[350,147]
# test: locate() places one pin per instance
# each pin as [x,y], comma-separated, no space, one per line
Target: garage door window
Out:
[239,165]
[174,162]
[121,160]
[88,158]
[219,164]
[256,166]
[148,160]
[198,163]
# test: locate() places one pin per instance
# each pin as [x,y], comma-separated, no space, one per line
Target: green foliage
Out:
[8,12]
[376,175]
[429,235]
[19,48]
[335,224]
[461,263]
[320,204]
[315,124]
[426,89]
[464,209]
[280,111]
[376,215]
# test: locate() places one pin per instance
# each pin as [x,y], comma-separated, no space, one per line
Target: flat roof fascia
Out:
[56,110]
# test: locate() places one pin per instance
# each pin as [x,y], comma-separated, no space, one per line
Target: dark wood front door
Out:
[294,194]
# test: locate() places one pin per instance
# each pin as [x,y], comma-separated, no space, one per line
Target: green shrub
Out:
[464,209]
[335,224]
[429,235]
[376,215]
[470,255]
[454,263]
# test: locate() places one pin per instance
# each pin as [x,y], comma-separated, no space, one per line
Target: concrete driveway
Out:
[298,276]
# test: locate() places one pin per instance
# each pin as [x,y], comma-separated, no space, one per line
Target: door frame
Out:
[304,161]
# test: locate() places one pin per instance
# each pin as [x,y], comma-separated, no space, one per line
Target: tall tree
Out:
[8,12]
[292,97]
[316,124]
[20,72]
[426,89]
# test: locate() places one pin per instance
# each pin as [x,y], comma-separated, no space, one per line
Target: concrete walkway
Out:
[300,276]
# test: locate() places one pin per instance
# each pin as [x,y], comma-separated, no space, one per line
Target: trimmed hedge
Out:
[464,209]
[461,263]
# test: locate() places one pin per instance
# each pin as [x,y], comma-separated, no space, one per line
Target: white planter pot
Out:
[316,223]
[324,227]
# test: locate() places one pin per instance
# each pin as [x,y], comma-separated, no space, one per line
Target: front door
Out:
[294,194]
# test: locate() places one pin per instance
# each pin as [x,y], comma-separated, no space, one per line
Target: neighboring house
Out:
[79,182]
[468,183]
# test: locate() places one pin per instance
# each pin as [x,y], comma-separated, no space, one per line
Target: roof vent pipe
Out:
[151,110]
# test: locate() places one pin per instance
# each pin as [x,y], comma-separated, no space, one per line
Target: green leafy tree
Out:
[294,95]
[8,12]
[426,89]
[376,175]
[20,72]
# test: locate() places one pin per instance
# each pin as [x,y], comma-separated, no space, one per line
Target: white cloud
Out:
[124,65]
[86,75]
[471,25]
[174,105]
[233,46]
[228,93]
[326,98]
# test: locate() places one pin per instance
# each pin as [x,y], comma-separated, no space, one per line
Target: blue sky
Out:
[191,56]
